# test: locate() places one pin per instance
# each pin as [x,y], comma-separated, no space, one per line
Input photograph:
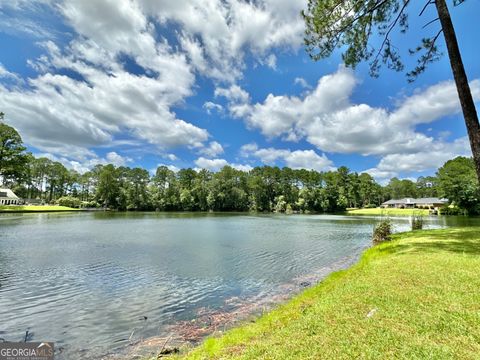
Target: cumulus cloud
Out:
[218,164]
[171,157]
[102,99]
[242,167]
[85,163]
[302,82]
[217,34]
[430,159]
[298,159]
[270,61]
[212,150]
[211,164]
[432,104]
[57,109]
[326,118]
[117,159]
[238,100]
[210,107]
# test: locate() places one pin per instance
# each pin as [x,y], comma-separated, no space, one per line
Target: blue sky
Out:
[204,84]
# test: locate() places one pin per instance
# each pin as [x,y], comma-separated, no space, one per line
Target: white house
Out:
[7,197]
[409,203]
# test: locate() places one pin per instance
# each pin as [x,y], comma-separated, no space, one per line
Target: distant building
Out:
[33,202]
[7,197]
[411,203]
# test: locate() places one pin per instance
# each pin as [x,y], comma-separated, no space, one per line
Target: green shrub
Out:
[382,231]
[449,210]
[417,222]
[370,206]
[90,204]
[69,201]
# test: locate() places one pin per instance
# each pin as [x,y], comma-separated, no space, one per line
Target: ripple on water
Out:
[87,281]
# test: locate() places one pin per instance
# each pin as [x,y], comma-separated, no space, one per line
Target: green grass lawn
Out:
[388,212]
[417,297]
[34,208]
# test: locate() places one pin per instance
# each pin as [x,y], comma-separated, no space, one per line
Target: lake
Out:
[87,281]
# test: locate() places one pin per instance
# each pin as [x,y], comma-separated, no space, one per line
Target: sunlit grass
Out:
[35,208]
[388,212]
[416,297]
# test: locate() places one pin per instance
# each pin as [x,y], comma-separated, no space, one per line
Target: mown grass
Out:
[416,297]
[388,212]
[35,208]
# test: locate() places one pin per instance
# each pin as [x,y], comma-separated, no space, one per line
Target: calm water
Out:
[87,280]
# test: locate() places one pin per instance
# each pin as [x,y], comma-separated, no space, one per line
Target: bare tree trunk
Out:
[463,88]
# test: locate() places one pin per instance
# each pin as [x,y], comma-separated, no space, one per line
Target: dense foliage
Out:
[12,156]
[261,189]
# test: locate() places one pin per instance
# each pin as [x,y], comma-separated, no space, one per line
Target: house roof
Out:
[400,201]
[8,194]
[411,201]
[431,201]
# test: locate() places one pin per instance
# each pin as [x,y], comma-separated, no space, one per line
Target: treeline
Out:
[261,189]
[264,189]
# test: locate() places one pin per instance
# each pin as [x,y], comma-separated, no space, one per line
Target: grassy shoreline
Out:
[388,212]
[414,297]
[35,209]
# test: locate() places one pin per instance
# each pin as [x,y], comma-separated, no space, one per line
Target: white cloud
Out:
[432,104]
[103,102]
[308,159]
[211,164]
[242,167]
[326,118]
[234,94]
[58,110]
[106,100]
[302,82]
[5,74]
[114,26]
[238,100]
[20,18]
[116,159]
[217,34]
[218,164]
[430,159]
[298,159]
[270,61]
[82,164]
[171,157]
[211,106]
[213,149]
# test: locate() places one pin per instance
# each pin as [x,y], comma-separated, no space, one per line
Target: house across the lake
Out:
[8,197]
[411,203]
